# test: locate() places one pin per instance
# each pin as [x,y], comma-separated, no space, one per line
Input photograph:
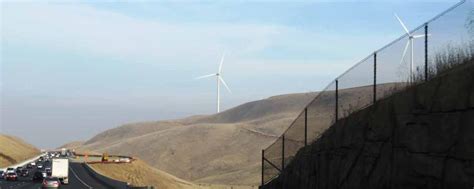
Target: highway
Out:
[79,178]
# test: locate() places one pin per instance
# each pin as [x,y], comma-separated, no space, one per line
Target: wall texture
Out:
[422,137]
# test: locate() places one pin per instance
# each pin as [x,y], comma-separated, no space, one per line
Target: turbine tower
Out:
[410,42]
[219,80]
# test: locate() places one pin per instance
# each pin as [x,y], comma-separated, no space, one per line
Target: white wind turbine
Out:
[219,80]
[410,41]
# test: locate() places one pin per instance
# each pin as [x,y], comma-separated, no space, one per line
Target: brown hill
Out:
[419,137]
[14,150]
[138,173]
[72,145]
[222,148]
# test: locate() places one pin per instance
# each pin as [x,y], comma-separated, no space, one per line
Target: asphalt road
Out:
[79,178]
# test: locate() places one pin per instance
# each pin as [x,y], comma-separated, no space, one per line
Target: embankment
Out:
[422,137]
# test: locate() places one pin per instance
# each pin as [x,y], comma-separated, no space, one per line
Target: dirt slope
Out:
[420,137]
[222,148]
[72,145]
[14,149]
[138,173]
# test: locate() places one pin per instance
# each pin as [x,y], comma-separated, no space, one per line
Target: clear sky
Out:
[71,70]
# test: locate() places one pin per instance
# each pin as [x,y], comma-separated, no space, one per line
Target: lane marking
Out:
[79,178]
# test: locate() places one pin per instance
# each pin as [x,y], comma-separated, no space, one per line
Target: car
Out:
[33,163]
[10,170]
[24,173]
[29,166]
[39,166]
[51,182]
[11,176]
[18,170]
[2,174]
[38,176]
[48,171]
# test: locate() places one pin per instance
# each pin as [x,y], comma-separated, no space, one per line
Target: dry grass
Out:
[222,148]
[13,150]
[72,145]
[138,173]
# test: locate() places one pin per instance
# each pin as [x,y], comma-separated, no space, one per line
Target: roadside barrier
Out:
[388,70]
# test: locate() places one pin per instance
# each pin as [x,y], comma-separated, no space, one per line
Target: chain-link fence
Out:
[410,59]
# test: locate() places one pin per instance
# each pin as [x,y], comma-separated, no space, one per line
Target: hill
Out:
[420,137]
[72,145]
[222,148]
[14,149]
[138,173]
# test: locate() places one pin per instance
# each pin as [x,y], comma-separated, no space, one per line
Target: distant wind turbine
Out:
[410,42]
[219,80]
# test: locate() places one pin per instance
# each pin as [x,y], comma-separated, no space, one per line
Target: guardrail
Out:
[23,163]
[116,161]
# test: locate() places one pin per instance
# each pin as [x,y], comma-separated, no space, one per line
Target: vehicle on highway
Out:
[2,174]
[60,169]
[10,170]
[38,176]
[48,171]
[24,172]
[39,166]
[18,169]
[33,163]
[29,166]
[51,182]
[64,152]
[11,176]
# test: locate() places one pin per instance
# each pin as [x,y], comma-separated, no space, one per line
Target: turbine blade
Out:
[422,35]
[225,85]
[403,25]
[405,51]
[204,76]
[220,64]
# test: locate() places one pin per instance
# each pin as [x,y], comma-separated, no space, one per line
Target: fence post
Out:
[375,77]
[283,153]
[305,126]
[337,99]
[263,167]
[426,52]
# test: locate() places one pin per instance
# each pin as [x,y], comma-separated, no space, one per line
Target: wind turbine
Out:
[410,42]
[219,80]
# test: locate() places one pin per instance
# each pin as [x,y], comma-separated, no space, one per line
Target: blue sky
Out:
[77,68]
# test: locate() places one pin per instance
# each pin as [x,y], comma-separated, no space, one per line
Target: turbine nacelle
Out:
[410,41]
[220,80]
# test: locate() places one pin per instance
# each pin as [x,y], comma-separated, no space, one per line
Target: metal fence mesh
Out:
[410,59]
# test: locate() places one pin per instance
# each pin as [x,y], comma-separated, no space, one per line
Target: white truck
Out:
[64,152]
[60,169]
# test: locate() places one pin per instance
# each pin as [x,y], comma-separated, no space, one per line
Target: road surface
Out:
[79,178]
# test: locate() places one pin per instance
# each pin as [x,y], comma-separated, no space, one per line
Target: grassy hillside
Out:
[138,173]
[13,150]
[222,148]
[72,145]
[418,137]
